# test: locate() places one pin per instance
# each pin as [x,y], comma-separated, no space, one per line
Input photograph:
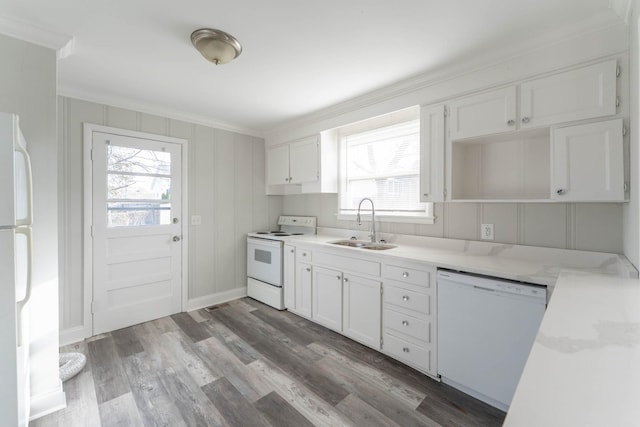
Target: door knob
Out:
[176,238]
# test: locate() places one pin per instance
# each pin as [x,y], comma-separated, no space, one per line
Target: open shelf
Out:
[505,167]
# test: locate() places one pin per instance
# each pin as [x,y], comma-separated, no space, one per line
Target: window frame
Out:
[415,217]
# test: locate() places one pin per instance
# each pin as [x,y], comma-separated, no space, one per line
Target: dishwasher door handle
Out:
[483,288]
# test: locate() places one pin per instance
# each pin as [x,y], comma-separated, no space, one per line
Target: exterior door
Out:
[136,230]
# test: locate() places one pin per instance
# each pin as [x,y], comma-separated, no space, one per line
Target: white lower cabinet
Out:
[409,315]
[327,298]
[303,289]
[361,309]
[289,276]
[388,307]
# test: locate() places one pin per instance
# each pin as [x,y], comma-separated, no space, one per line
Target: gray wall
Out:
[584,226]
[225,187]
[28,88]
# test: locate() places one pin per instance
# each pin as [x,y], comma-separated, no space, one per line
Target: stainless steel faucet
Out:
[373,219]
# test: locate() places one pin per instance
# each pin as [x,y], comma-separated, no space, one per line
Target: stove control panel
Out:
[300,221]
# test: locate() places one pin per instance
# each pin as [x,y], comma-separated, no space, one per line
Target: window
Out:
[380,159]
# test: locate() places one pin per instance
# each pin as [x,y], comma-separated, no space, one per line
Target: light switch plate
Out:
[196,220]
[486,231]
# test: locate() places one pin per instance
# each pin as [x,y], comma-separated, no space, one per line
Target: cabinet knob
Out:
[405,349]
[290,179]
[405,274]
[561,191]
[525,120]
[511,122]
[308,269]
[345,280]
[405,323]
[405,298]
[304,254]
[286,179]
[176,238]
[292,251]
[338,277]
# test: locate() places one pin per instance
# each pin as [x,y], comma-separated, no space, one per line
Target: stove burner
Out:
[281,234]
[297,234]
[262,232]
[274,232]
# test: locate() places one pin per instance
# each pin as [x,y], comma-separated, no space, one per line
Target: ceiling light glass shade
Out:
[215,45]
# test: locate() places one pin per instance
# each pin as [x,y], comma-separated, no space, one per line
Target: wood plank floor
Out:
[246,364]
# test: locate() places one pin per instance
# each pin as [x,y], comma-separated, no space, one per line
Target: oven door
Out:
[264,260]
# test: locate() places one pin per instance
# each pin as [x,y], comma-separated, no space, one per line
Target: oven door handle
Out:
[256,241]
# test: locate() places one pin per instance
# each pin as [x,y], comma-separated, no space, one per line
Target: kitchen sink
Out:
[378,246]
[363,245]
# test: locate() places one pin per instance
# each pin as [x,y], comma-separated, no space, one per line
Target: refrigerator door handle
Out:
[21,304]
[19,147]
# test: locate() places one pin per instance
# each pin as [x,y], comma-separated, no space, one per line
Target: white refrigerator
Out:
[16,211]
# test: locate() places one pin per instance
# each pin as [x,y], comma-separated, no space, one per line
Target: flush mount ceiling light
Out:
[215,45]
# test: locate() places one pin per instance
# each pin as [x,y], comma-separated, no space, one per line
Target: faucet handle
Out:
[353,238]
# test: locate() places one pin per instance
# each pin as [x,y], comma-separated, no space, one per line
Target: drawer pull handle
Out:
[405,349]
[405,274]
[405,323]
[405,298]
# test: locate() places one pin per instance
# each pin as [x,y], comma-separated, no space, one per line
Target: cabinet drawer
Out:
[407,298]
[343,263]
[406,351]
[408,275]
[304,255]
[407,325]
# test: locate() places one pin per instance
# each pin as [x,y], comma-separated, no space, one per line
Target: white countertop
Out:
[584,367]
[515,262]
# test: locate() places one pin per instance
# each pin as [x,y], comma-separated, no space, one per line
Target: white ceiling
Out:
[298,56]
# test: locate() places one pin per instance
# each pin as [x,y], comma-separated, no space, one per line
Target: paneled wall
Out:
[583,226]
[225,187]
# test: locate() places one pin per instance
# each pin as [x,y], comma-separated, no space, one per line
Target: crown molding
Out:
[601,26]
[63,44]
[153,109]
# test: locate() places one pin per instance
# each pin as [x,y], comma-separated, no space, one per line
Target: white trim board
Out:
[217,298]
[88,129]
[62,43]
[48,403]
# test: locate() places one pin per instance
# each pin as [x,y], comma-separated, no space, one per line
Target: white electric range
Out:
[265,257]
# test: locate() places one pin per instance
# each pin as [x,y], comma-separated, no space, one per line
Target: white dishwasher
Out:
[486,327]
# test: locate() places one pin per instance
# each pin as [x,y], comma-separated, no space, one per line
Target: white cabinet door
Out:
[483,114]
[432,154]
[573,95]
[361,315]
[327,298]
[289,277]
[587,162]
[303,289]
[304,161]
[278,165]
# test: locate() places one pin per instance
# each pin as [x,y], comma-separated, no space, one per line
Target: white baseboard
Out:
[73,335]
[219,298]
[47,403]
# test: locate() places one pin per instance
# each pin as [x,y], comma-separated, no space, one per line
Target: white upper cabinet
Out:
[307,165]
[587,162]
[483,114]
[579,94]
[293,163]
[278,165]
[304,161]
[432,144]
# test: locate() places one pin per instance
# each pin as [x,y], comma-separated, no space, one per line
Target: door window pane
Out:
[127,214]
[138,187]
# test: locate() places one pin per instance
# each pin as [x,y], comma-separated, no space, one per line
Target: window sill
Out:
[386,217]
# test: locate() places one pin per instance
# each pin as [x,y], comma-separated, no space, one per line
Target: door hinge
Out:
[92,231]
[618,71]
[444,193]
[446,111]
[617,101]
[626,187]
[380,342]
[93,307]
[91,154]
[381,290]
[624,131]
